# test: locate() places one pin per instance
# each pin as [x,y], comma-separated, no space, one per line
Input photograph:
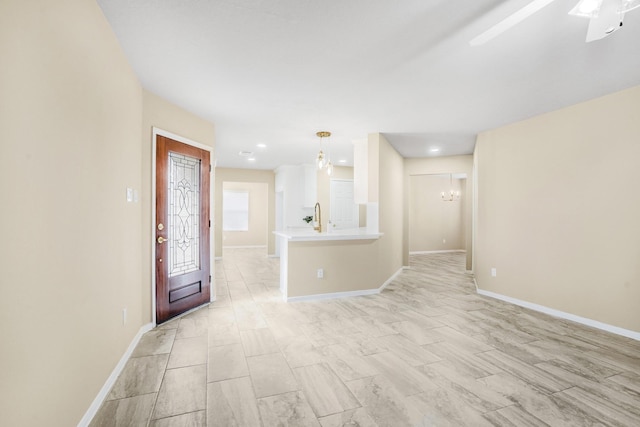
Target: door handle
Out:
[161,239]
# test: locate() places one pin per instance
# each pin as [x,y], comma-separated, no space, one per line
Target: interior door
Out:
[344,211]
[183,272]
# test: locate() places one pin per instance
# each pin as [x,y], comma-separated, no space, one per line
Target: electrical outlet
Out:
[320,273]
[124,316]
[494,272]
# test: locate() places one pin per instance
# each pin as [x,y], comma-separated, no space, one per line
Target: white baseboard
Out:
[436,252]
[102,394]
[390,279]
[345,294]
[245,247]
[562,315]
[333,295]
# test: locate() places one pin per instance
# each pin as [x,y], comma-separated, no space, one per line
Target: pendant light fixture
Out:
[320,159]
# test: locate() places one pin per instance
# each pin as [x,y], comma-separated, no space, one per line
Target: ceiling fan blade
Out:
[510,21]
[607,22]
[628,5]
[587,8]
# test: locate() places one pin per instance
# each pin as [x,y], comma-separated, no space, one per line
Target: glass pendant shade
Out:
[320,160]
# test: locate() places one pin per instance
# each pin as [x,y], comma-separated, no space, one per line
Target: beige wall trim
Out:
[563,315]
[155,132]
[106,388]
[436,252]
[345,294]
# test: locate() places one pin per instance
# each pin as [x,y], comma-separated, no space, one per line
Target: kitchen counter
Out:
[328,264]
[310,235]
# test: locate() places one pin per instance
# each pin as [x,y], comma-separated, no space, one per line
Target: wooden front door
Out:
[183,272]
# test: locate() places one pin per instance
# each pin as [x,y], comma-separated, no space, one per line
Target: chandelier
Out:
[451,195]
[320,159]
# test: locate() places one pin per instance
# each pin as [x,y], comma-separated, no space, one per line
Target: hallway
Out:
[428,351]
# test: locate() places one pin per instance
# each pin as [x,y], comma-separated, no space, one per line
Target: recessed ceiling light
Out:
[245,153]
[251,159]
[261,145]
[434,150]
[342,161]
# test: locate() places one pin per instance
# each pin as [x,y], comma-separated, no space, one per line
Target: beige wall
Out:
[70,257]
[347,266]
[245,175]
[373,170]
[256,235]
[441,165]
[435,225]
[390,214]
[163,115]
[558,210]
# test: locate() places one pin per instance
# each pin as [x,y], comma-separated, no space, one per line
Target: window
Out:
[235,210]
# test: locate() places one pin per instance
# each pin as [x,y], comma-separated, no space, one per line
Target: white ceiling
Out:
[277,71]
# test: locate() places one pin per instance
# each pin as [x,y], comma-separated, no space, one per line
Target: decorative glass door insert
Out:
[184,214]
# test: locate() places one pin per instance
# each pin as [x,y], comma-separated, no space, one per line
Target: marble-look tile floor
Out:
[428,351]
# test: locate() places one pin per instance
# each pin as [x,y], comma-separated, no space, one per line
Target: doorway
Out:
[245,219]
[344,211]
[181,226]
[438,219]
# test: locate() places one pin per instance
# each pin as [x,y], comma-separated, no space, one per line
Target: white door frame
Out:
[155,133]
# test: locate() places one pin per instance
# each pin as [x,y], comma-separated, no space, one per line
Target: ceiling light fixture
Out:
[320,159]
[451,195]
[261,145]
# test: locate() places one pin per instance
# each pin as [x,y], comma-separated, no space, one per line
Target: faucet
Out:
[317,216]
